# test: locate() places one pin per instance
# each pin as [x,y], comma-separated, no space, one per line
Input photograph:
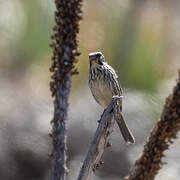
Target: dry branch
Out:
[100,140]
[162,135]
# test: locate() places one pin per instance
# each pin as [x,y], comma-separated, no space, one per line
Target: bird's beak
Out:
[92,61]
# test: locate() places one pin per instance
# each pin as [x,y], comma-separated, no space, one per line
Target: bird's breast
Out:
[101,90]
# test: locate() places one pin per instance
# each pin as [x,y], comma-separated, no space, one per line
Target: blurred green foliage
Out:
[133,50]
[35,38]
[136,54]
[142,67]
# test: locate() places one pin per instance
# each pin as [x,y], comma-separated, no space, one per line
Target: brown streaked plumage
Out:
[104,85]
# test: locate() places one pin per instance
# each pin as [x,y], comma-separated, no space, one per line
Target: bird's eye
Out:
[98,55]
[99,62]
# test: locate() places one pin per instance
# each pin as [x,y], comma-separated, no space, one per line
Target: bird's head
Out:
[96,58]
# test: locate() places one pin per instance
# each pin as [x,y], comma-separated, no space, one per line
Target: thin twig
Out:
[162,135]
[100,141]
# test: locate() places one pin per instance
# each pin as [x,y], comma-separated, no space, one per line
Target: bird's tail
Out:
[126,133]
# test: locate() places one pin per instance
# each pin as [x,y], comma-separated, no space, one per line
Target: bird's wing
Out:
[116,87]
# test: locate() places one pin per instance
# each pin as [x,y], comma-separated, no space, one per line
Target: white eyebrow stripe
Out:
[94,53]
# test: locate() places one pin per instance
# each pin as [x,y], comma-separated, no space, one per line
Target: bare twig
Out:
[100,141]
[164,131]
[67,17]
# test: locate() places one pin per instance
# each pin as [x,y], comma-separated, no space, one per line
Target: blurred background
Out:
[139,38]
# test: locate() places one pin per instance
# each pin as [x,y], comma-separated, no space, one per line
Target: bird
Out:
[103,83]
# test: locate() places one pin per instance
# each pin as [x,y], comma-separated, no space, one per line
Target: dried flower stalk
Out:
[65,49]
[162,135]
